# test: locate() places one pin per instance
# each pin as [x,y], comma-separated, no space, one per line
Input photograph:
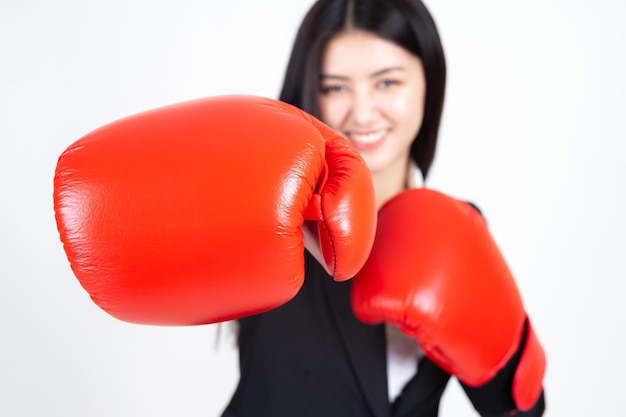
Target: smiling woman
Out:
[435,298]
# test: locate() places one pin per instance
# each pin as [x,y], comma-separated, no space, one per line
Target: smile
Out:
[367,139]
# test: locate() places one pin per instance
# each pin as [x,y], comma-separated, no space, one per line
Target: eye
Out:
[386,83]
[332,88]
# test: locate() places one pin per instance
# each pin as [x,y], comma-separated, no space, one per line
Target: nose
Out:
[363,107]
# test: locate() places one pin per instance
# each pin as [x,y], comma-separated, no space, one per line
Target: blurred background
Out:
[533,131]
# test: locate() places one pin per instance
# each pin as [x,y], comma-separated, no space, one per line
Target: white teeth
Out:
[367,137]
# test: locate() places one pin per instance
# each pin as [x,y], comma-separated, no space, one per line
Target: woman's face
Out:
[372,91]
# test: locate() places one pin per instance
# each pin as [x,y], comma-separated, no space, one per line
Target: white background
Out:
[533,132]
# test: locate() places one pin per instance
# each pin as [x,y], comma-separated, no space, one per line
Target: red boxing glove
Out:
[194,213]
[437,274]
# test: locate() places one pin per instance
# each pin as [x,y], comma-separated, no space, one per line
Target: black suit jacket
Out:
[312,357]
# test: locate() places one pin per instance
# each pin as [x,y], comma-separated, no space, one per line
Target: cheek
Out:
[409,111]
[332,111]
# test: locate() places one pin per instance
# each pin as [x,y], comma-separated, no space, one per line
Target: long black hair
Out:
[405,22]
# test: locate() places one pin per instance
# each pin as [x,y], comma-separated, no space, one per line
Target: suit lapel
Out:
[364,345]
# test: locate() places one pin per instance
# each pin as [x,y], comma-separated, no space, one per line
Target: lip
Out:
[367,139]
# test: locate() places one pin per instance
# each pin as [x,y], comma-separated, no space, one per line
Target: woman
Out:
[373,70]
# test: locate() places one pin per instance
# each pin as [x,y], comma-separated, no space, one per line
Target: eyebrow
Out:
[373,75]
